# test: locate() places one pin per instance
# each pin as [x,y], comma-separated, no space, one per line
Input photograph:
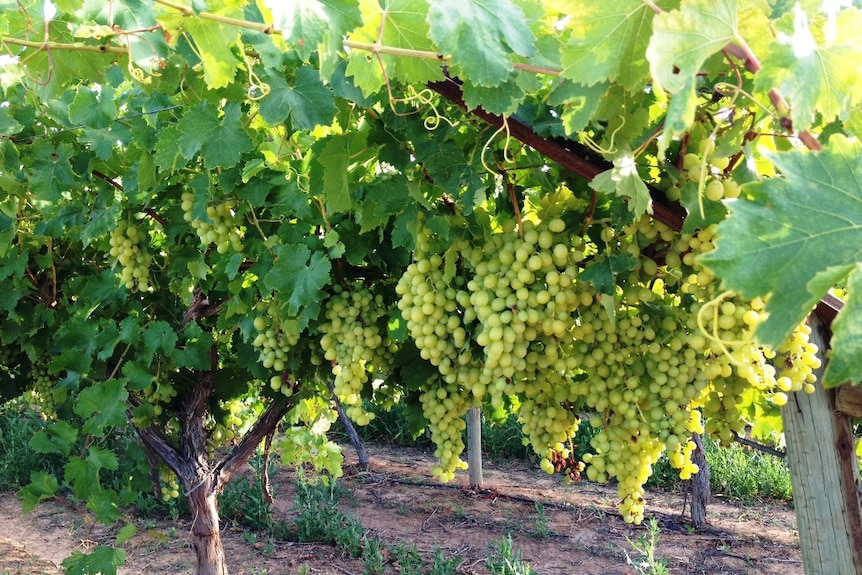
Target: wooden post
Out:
[474,447]
[824,472]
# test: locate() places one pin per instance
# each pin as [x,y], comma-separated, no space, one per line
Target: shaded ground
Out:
[559,529]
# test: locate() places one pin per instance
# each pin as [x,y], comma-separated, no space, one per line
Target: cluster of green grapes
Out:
[355,340]
[508,321]
[499,326]
[41,394]
[722,327]
[444,407]
[222,230]
[707,170]
[159,392]
[170,486]
[237,415]
[129,249]
[275,337]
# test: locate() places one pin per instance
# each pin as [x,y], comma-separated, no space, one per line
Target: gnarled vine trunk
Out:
[202,478]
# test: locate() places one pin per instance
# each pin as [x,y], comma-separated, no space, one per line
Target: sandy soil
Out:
[399,501]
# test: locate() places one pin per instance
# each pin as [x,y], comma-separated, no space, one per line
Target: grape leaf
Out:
[608,42]
[679,115]
[309,25]
[788,230]
[845,361]
[159,336]
[300,275]
[502,99]
[57,437]
[335,159]
[103,405]
[308,102]
[93,108]
[9,126]
[42,486]
[623,180]
[214,42]
[384,199]
[603,272]
[481,36]
[816,78]
[105,505]
[683,39]
[102,559]
[398,24]
[220,140]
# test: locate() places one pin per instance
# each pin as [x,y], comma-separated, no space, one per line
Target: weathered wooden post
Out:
[824,472]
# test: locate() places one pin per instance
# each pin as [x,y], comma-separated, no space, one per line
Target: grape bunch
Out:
[275,338]
[707,170]
[41,393]
[170,486]
[444,407]
[353,336]
[159,392]
[222,230]
[129,249]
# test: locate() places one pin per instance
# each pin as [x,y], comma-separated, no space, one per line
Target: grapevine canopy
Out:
[178,179]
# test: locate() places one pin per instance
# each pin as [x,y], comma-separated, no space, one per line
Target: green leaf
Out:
[713,212]
[816,77]
[103,405]
[502,99]
[786,230]
[399,24]
[58,437]
[382,201]
[845,361]
[300,275]
[42,486]
[335,159]
[623,180]
[125,533]
[159,336]
[9,126]
[102,560]
[220,140]
[51,173]
[603,272]
[102,458]
[683,39]
[214,42]
[608,42]
[308,102]
[679,116]
[105,505]
[308,25]
[92,108]
[481,36]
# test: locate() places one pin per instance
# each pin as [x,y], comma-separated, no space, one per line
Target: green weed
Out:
[504,560]
[644,560]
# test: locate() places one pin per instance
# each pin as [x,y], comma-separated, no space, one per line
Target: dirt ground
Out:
[399,501]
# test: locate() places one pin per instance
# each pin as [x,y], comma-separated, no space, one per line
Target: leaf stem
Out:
[103,48]
[378,49]
[188,11]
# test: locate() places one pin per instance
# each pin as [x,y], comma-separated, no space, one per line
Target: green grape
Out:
[274,339]
[170,486]
[222,230]
[354,336]
[41,393]
[444,407]
[128,248]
